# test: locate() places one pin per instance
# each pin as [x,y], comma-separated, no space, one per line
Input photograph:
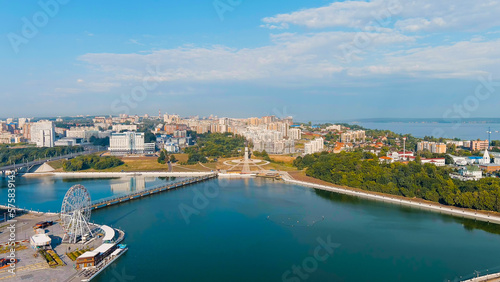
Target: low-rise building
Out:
[67,141]
[122,127]
[479,145]
[385,159]
[490,167]
[434,161]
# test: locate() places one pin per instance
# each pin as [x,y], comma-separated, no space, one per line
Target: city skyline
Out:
[321,60]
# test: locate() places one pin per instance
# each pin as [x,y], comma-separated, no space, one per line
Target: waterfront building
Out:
[93,258]
[129,143]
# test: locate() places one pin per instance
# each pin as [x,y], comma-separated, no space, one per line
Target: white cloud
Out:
[290,57]
[320,57]
[465,59]
[136,42]
[355,14]
[410,15]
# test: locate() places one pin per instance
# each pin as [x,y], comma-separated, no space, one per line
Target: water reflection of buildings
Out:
[134,184]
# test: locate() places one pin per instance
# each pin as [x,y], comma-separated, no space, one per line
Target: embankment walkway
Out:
[459,212]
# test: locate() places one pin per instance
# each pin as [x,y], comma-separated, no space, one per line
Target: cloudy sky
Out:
[315,60]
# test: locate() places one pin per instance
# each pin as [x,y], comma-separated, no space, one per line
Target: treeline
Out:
[165,157]
[99,141]
[414,180]
[215,145]
[18,155]
[263,155]
[91,161]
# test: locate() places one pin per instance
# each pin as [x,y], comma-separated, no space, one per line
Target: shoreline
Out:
[485,216]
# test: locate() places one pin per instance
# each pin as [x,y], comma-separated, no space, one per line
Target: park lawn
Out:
[282,158]
[57,165]
[136,164]
[181,157]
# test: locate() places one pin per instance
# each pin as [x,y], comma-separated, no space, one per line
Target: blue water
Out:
[47,193]
[464,131]
[257,230]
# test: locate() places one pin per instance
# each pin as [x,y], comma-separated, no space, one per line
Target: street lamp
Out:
[489,136]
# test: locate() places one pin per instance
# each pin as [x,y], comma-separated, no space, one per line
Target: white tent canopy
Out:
[40,240]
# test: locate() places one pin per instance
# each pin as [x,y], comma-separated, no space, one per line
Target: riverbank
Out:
[300,178]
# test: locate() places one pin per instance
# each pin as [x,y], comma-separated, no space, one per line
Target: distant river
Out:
[464,131]
[257,230]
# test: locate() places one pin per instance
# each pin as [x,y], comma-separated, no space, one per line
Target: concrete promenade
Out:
[397,201]
[117,174]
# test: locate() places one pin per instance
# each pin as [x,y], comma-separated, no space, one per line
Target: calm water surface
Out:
[256,230]
[47,193]
[465,131]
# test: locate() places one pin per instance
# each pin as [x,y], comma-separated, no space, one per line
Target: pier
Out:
[170,186]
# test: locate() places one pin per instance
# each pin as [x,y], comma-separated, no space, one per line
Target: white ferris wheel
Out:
[75,214]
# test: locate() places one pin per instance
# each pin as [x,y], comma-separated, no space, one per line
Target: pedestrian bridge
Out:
[170,186]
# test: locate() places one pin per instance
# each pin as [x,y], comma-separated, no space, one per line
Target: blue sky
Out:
[315,60]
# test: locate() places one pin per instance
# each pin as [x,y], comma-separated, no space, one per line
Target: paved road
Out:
[39,162]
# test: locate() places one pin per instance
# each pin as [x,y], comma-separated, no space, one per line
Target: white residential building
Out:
[314,146]
[43,133]
[353,136]
[271,140]
[295,134]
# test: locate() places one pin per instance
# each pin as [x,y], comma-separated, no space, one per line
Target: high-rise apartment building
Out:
[42,133]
